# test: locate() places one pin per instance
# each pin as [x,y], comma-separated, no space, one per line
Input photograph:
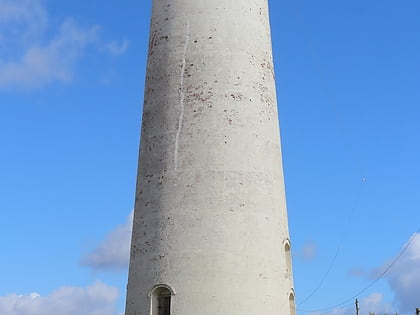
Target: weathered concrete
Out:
[210,218]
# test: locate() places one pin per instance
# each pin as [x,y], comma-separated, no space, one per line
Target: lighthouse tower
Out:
[210,232]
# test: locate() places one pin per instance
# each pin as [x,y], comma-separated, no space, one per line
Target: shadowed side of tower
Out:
[210,231]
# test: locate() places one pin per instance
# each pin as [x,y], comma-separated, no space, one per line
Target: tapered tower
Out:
[210,233]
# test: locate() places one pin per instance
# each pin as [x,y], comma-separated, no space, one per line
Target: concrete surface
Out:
[210,217]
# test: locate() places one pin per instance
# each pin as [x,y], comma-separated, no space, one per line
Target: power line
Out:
[344,130]
[345,233]
[323,278]
[373,282]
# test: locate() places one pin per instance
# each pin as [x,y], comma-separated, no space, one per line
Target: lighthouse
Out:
[210,231]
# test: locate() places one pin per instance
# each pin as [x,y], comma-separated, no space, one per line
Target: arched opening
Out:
[288,257]
[161,301]
[292,303]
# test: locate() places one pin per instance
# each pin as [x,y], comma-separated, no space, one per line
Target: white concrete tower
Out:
[210,233]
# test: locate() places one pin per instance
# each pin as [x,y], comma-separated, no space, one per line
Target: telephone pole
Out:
[357,307]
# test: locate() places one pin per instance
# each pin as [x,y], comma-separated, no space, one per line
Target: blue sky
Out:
[71,86]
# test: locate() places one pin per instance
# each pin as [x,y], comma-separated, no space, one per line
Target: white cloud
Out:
[114,251]
[97,299]
[42,64]
[21,22]
[29,58]
[372,303]
[404,277]
[116,48]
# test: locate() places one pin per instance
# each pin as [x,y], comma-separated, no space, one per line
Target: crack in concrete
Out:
[181,92]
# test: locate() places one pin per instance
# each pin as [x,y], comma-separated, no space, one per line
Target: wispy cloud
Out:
[117,48]
[372,303]
[114,251]
[308,251]
[21,22]
[30,58]
[357,272]
[97,299]
[42,64]
[404,276]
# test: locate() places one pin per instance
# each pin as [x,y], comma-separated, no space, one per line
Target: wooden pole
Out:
[357,307]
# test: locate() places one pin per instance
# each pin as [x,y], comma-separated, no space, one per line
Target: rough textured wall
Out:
[210,217]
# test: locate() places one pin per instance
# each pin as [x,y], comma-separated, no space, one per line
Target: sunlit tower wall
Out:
[210,232]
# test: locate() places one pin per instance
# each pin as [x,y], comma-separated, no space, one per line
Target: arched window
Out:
[292,303]
[161,301]
[288,257]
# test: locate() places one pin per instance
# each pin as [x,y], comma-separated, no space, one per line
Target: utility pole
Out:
[357,307]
